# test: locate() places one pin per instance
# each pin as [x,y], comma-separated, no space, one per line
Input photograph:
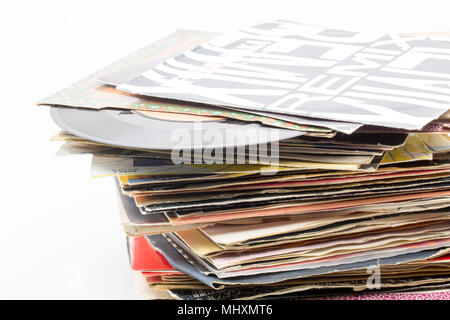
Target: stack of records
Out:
[278,161]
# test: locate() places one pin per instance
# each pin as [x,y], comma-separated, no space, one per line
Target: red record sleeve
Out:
[145,258]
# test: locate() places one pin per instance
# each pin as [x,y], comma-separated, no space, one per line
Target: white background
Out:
[60,236]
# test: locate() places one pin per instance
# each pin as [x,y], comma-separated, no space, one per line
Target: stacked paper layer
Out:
[337,182]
